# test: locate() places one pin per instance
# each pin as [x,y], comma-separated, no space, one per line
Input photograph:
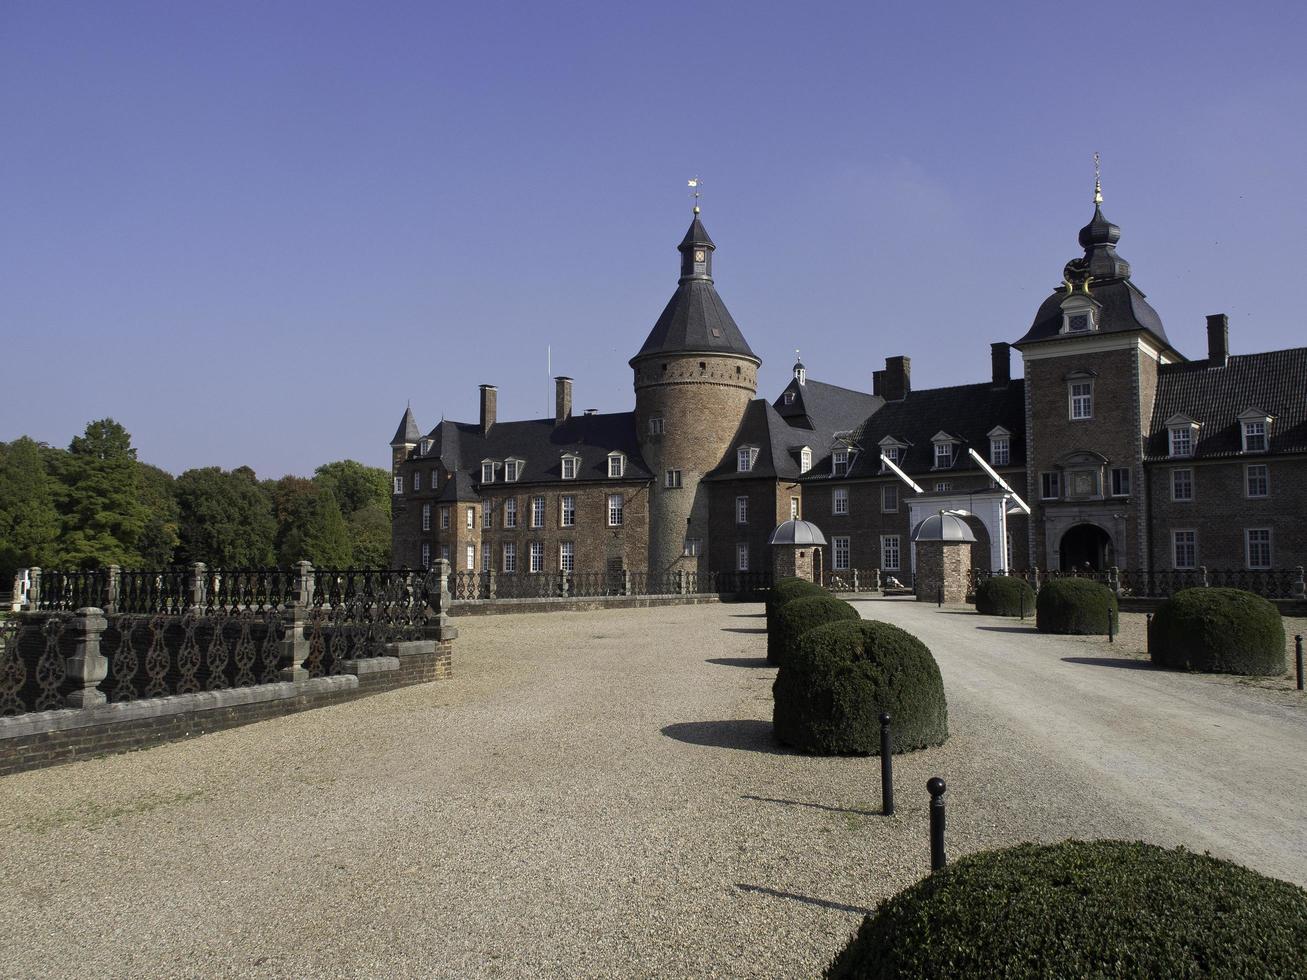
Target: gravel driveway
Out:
[598,795]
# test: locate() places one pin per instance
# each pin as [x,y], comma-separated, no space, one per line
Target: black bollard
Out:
[886,768]
[935,787]
[1297,656]
[941,594]
[1111,636]
[1148,633]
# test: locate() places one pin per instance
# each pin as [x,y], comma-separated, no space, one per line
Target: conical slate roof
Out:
[408,433]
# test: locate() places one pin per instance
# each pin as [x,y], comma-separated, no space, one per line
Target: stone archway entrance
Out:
[1086,546]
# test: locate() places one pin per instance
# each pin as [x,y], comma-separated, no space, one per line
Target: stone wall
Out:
[943,565]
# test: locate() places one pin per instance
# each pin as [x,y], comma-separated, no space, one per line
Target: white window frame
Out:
[741,556]
[943,451]
[741,510]
[1248,547]
[485,555]
[692,548]
[1264,477]
[1175,481]
[538,511]
[616,510]
[426,554]
[1264,435]
[510,512]
[444,518]
[488,515]
[1050,479]
[672,479]
[889,498]
[745,457]
[1191,543]
[616,466]
[840,553]
[1000,451]
[805,459]
[1080,403]
[839,462]
[943,486]
[426,517]
[1181,441]
[566,556]
[399,485]
[535,553]
[417,481]
[471,555]
[509,553]
[794,508]
[444,552]
[894,454]
[424,447]
[569,467]
[891,553]
[1116,485]
[435,479]
[839,500]
[512,470]
[567,510]
[487,471]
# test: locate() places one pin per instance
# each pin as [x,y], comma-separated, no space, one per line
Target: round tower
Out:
[694,376]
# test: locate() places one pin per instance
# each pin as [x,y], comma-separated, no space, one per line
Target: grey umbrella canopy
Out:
[797,532]
[943,527]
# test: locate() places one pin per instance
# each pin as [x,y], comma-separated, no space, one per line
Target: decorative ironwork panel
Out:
[13,671]
[50,668]
[189,656]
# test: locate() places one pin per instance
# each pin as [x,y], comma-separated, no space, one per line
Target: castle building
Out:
[1124,451]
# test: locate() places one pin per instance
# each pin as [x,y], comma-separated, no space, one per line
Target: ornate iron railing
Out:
[853,580]
[69,590]
[1280,583]
[167,590]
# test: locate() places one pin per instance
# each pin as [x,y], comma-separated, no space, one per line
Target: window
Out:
[426,554]
[840,553]
[892,453]
[565,562]
[794,508]
[1257,480]
[510,512]
[537,511]
[805,459]
[1254,437]
[1120,482]
[656,425]
[839,462]
[789,398]
[1081,395]
[512,468]
[943,486]
[889,498]
[567,511]
[471,559]
[615,503]
[510,557]
[569,467]
[1257,541]
[444,552]
[693,547]
[741,557]
[485,556]
[1182,440]
[672,479]
[1077,322]
[417,481]
[745,457]
[399,484]
[488,516]
[424,446]
[741,510]
[471,518]
[426,517]
[444,518]
[616,464]
[943,455]
[536,556]
[1000,451]
[1184,548]
[487,472]
[889,552]
[435,479]
[1050,486]
[839,503]
[1182,485]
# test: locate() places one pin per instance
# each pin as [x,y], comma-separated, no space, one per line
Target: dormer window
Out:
[1000,446]
[839,462]
[1255,429]
[1182,433]
[892,450]
[745,457]
[945,450]
[789,398]
[487,471]
[805,459]
[512,470]
[570,466]
[616,465]
[424,446]
[1080,314]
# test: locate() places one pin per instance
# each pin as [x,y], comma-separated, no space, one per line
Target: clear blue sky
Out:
[250,231]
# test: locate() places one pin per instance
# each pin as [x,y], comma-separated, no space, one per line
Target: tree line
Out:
[96,504]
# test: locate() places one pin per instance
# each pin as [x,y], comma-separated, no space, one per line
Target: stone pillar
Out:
[199,583]
[626,581]
[21,584]
[34,587]
[1300,586]
[85,667]
[562,584]
[946,565]
[792,561]
[295,643]
[1114,580]
[680,581]
[112,589]
[490,583]
[438,627]
[1202,575]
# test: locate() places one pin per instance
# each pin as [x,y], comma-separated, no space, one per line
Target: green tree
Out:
[158,542]
[355,485]
[29,520]
[225,518]
[103,515]
[369,532]
[310,526]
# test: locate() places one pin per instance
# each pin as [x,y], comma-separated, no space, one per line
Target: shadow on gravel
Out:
[815,806]
[738,733]
[1008,629]
[819,902]
[1125,662]
[747,615]
[739,629]
[739,661]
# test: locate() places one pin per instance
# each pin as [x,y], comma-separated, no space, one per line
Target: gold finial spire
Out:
[1098,184]
[694,183]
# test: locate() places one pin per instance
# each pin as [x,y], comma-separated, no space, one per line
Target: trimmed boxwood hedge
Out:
[1218,631]
[1084,909]
[831,690]
[1075,605]
[783,591]
[798,616]
[1003,595]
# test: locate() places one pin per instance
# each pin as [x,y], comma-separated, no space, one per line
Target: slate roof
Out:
[540,444]
[408,432]
[1124,309]
[968,412]
[1274,382]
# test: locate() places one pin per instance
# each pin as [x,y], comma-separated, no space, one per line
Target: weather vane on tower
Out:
[694,183]
[1098,186]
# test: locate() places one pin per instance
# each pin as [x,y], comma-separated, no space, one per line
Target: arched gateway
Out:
[1086,546]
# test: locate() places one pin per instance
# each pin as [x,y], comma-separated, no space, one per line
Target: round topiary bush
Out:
[831,690]
[786,589]
[1084,909]
[1218,631]
[1075,605]
[1003,595]
[798,616]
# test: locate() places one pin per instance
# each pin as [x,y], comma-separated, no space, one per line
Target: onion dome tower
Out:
[694,376]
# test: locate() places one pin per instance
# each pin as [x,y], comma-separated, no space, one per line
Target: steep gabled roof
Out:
[408,433]
[1214,396]
[823,407]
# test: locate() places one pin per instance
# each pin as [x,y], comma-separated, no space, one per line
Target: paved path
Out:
[598,795]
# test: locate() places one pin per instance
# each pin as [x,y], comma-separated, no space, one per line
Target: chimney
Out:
[877,381]
[1000,357]
[1218,339]
[489,396]
[562,399]
[896,380]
